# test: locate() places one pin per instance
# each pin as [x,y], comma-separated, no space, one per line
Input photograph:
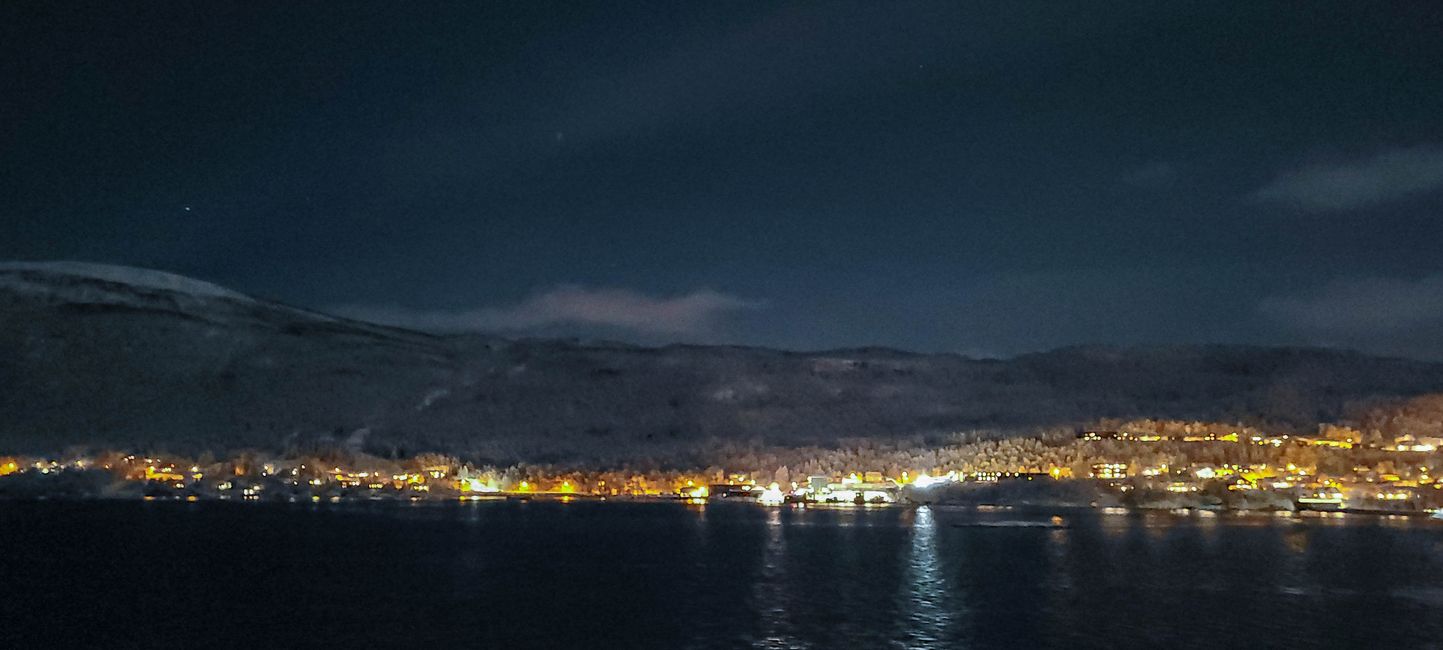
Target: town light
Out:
[924,481]
[772,496]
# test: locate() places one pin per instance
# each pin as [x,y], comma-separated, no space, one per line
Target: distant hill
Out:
[104,355]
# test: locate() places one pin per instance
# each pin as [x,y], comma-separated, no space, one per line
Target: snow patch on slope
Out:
[431,398]
[11,277]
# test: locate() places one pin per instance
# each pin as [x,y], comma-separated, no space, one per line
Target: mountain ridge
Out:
[91,359]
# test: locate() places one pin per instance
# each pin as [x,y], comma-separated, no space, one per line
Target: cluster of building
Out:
[1144,468]
[160,477]
[1405,481]
[859,488]
[1404,443]
[856,488]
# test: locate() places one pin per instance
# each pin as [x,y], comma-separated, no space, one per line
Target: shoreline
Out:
[1021,507]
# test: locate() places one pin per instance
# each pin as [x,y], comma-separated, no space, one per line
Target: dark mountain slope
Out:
[123,357]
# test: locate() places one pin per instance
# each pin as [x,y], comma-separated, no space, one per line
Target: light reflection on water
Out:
[771,595]
[617,575]
[928,600]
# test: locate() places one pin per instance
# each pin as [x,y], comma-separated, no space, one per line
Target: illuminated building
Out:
[1323,500]
[732,491]
[1417,443]
[693,491]
[772,496]
[1109,471]
[924,481]
[164,474]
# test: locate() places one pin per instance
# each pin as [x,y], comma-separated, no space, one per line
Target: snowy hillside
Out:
[121,280]
[91,354]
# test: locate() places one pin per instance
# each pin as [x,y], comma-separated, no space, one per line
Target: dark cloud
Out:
[1389,315]
[1386,176]
[692,314]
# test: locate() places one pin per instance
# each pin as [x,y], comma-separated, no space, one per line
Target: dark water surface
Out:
[618,575]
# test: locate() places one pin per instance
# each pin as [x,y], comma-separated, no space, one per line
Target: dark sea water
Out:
[619,575]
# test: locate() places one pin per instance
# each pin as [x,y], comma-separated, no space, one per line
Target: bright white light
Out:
[924,481]
[475,485]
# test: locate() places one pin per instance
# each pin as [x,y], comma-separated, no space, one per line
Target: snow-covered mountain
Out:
[102,355]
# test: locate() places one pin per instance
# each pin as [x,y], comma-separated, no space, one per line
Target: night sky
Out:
[987,179]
